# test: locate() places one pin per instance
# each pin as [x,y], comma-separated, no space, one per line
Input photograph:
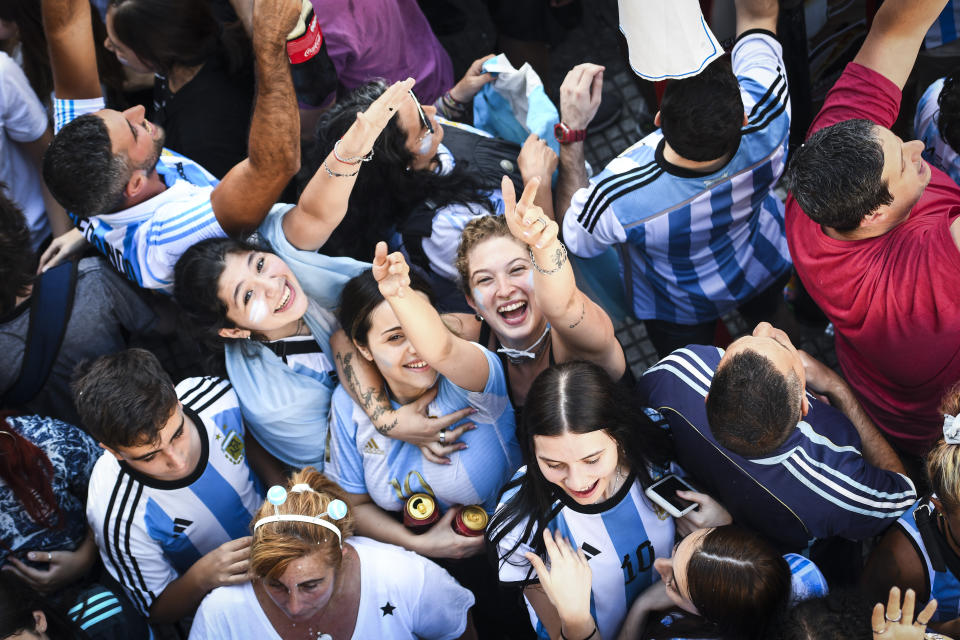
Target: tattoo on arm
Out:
[559,257]
[373,401]
[583,311]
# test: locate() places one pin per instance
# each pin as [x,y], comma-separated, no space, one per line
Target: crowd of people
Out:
[406,416]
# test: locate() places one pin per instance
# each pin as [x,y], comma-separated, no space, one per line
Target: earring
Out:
[478,317]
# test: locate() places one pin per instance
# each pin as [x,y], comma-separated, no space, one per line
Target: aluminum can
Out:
[470,521]
[420,512]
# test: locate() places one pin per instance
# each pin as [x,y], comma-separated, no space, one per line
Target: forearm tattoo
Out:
[373,401]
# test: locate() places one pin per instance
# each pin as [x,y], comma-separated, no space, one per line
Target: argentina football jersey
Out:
[149,531]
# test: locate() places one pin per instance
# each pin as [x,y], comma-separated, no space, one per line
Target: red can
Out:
[420,512]
[470,521]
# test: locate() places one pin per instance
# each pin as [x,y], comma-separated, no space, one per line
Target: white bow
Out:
[951,429]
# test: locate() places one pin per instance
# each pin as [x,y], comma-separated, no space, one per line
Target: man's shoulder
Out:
[202,393]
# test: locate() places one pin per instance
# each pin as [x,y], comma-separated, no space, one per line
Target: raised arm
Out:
[323,202]
[461,361]
[246,193]
[579,101]
[756,14]
[582,330]
[73,55]
[896,34]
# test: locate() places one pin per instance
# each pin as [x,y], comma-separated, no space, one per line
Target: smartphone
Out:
[664,493]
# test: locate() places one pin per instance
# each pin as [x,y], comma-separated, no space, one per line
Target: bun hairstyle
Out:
[277,544]
[943,461]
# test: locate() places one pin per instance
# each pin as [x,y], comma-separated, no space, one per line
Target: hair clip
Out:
[277,495]
[951,429]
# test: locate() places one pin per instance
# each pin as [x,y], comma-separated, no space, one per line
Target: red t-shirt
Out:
[894,299]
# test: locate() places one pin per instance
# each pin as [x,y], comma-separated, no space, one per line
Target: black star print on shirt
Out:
[387,609]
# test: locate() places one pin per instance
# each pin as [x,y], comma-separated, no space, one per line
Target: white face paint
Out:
[478,299]
[426,144]
[258,311]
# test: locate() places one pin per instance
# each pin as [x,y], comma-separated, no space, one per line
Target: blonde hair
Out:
[943,461]
[477,231]
[277,544]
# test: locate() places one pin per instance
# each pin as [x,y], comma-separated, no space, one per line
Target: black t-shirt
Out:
[208,119]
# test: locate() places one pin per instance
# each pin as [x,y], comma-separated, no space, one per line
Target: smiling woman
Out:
[311,574]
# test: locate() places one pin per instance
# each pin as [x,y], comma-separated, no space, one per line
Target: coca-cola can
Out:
[470,521]
[420,512]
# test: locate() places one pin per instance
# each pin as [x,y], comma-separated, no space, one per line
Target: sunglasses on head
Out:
[423,116]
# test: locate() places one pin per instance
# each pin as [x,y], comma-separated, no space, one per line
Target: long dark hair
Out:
[27,470]
[738,582]
[386,190]
[170,33]
[195,283]
[574,397]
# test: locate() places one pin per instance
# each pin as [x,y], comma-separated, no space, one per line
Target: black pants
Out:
[670,336]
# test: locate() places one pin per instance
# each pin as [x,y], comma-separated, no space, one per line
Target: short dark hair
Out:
[82,171]
[19,262]
[124,399]
[702,117]
[752,407]
[842,614]
[837,175]
[948,118]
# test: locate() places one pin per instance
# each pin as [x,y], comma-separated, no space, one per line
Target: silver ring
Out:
[443,437]
[542,221]
[49,557]
[897,619]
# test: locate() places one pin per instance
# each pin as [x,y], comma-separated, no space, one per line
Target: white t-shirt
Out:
[415,598]
[22,119]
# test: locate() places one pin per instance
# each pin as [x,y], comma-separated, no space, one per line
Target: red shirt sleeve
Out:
[859,93]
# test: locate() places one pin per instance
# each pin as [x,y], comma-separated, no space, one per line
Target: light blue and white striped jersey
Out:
[806,580]
[697,245]
[362,460]
[936,150]
[945,29]
[621,538]
[941,583]
[150,532]
[144,241]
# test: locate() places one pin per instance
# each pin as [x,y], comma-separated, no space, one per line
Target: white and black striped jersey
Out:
[150,532]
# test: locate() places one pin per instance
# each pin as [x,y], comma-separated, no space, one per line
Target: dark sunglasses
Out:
[423,117]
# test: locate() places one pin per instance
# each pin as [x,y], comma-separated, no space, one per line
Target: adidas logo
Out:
[372,448]
[589,550]
[180,525]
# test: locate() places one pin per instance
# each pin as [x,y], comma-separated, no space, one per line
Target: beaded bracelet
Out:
[355,159]
[334,174]
[549,272]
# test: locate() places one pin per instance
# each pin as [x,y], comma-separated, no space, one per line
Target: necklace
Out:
[517,356]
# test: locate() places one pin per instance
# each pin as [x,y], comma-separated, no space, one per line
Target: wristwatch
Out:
[566,135]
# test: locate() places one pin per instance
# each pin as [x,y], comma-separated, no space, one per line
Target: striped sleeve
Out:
[758,65]
[206,393]
[864,498]
[590,224]
[134,559]
[66,111]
